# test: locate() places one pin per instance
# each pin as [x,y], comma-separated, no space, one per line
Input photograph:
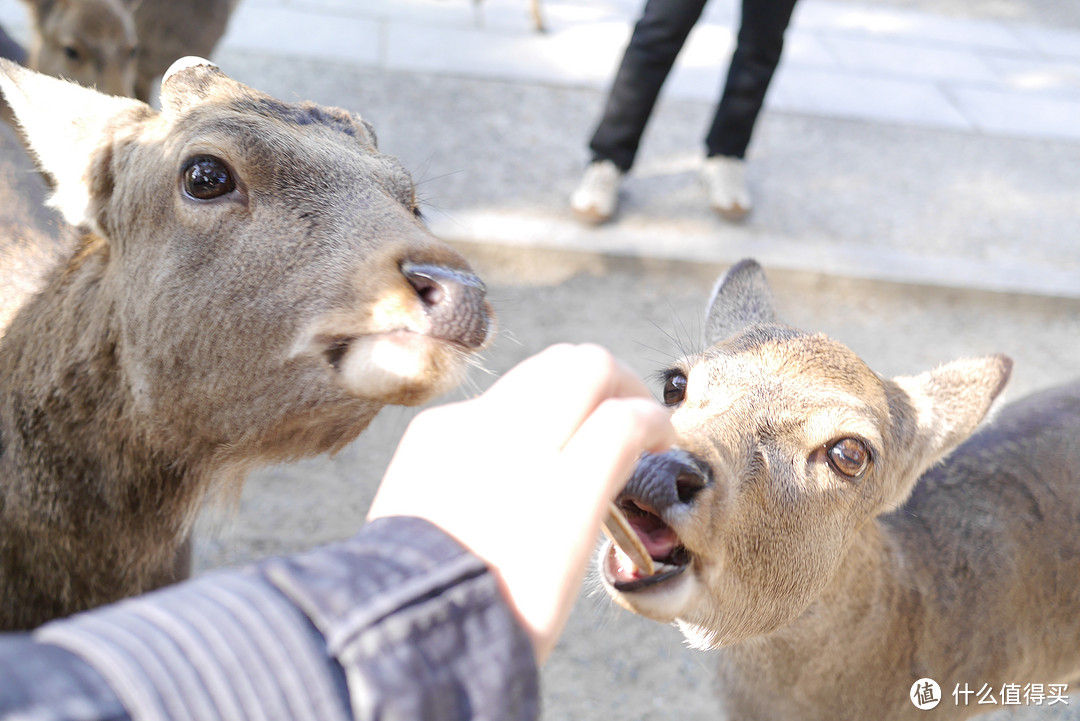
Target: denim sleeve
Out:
[432,637]
[398,622]
[40,682]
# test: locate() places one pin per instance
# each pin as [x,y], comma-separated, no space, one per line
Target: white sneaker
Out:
[597,195]
[724,179]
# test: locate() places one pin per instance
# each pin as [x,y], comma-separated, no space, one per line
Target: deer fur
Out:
[121,47]
[184,340]
[827,580]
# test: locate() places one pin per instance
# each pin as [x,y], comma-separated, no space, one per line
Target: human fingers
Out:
[457,463]
[592,467]
[559,388]
[607,446]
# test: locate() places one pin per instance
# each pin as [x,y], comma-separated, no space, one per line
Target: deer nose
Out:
[663,480]
[454,301]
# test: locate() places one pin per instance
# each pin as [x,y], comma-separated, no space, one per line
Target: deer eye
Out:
[849,457]
[674,388]
[207,177]
[71,53]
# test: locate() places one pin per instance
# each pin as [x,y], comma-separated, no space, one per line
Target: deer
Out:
[121,47]
[849,545]
[248,282]
[168,30]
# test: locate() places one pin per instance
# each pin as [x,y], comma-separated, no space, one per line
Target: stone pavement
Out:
[842,60]
[896,144]
[976,122]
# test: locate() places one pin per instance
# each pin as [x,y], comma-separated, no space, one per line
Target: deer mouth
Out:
[336,348]
[401,366]
[670,557]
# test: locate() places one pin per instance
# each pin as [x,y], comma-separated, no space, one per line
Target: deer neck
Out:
[73,456]
[859,623]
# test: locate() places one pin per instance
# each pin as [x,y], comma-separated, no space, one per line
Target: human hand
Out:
[522,475]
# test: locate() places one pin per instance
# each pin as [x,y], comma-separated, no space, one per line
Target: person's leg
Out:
[757,53]
[10,49]
[656,41]
[657,38]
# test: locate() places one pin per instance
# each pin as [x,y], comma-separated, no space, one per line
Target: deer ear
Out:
[936,411]
[69,128]
[741,298]
[189,81]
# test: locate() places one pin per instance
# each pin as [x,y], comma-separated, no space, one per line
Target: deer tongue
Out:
[639,541]
[657,537]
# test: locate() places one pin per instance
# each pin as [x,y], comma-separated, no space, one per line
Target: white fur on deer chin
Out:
[664,601]
[390,362]
[400,362]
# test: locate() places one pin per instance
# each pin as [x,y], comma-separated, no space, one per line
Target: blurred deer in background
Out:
[121,47]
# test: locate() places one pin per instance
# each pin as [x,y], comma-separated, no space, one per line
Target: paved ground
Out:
[917,172]
[899,144]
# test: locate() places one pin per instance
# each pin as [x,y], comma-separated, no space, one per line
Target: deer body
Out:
[249,284]
[811,540]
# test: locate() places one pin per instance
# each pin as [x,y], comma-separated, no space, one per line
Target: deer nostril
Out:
[687,485]
[666,479]
[431,292]
[453,301]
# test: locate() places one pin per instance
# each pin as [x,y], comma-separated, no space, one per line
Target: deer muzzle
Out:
[659,494]
[454,302]
[662,481]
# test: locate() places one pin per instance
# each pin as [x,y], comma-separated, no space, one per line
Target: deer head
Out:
[789,445]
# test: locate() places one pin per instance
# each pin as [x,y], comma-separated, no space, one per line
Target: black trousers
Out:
[657,39]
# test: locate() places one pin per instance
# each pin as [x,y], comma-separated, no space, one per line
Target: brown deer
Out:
[121,47]
[91,42]
[167,30]
[249,283]
[808,529]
